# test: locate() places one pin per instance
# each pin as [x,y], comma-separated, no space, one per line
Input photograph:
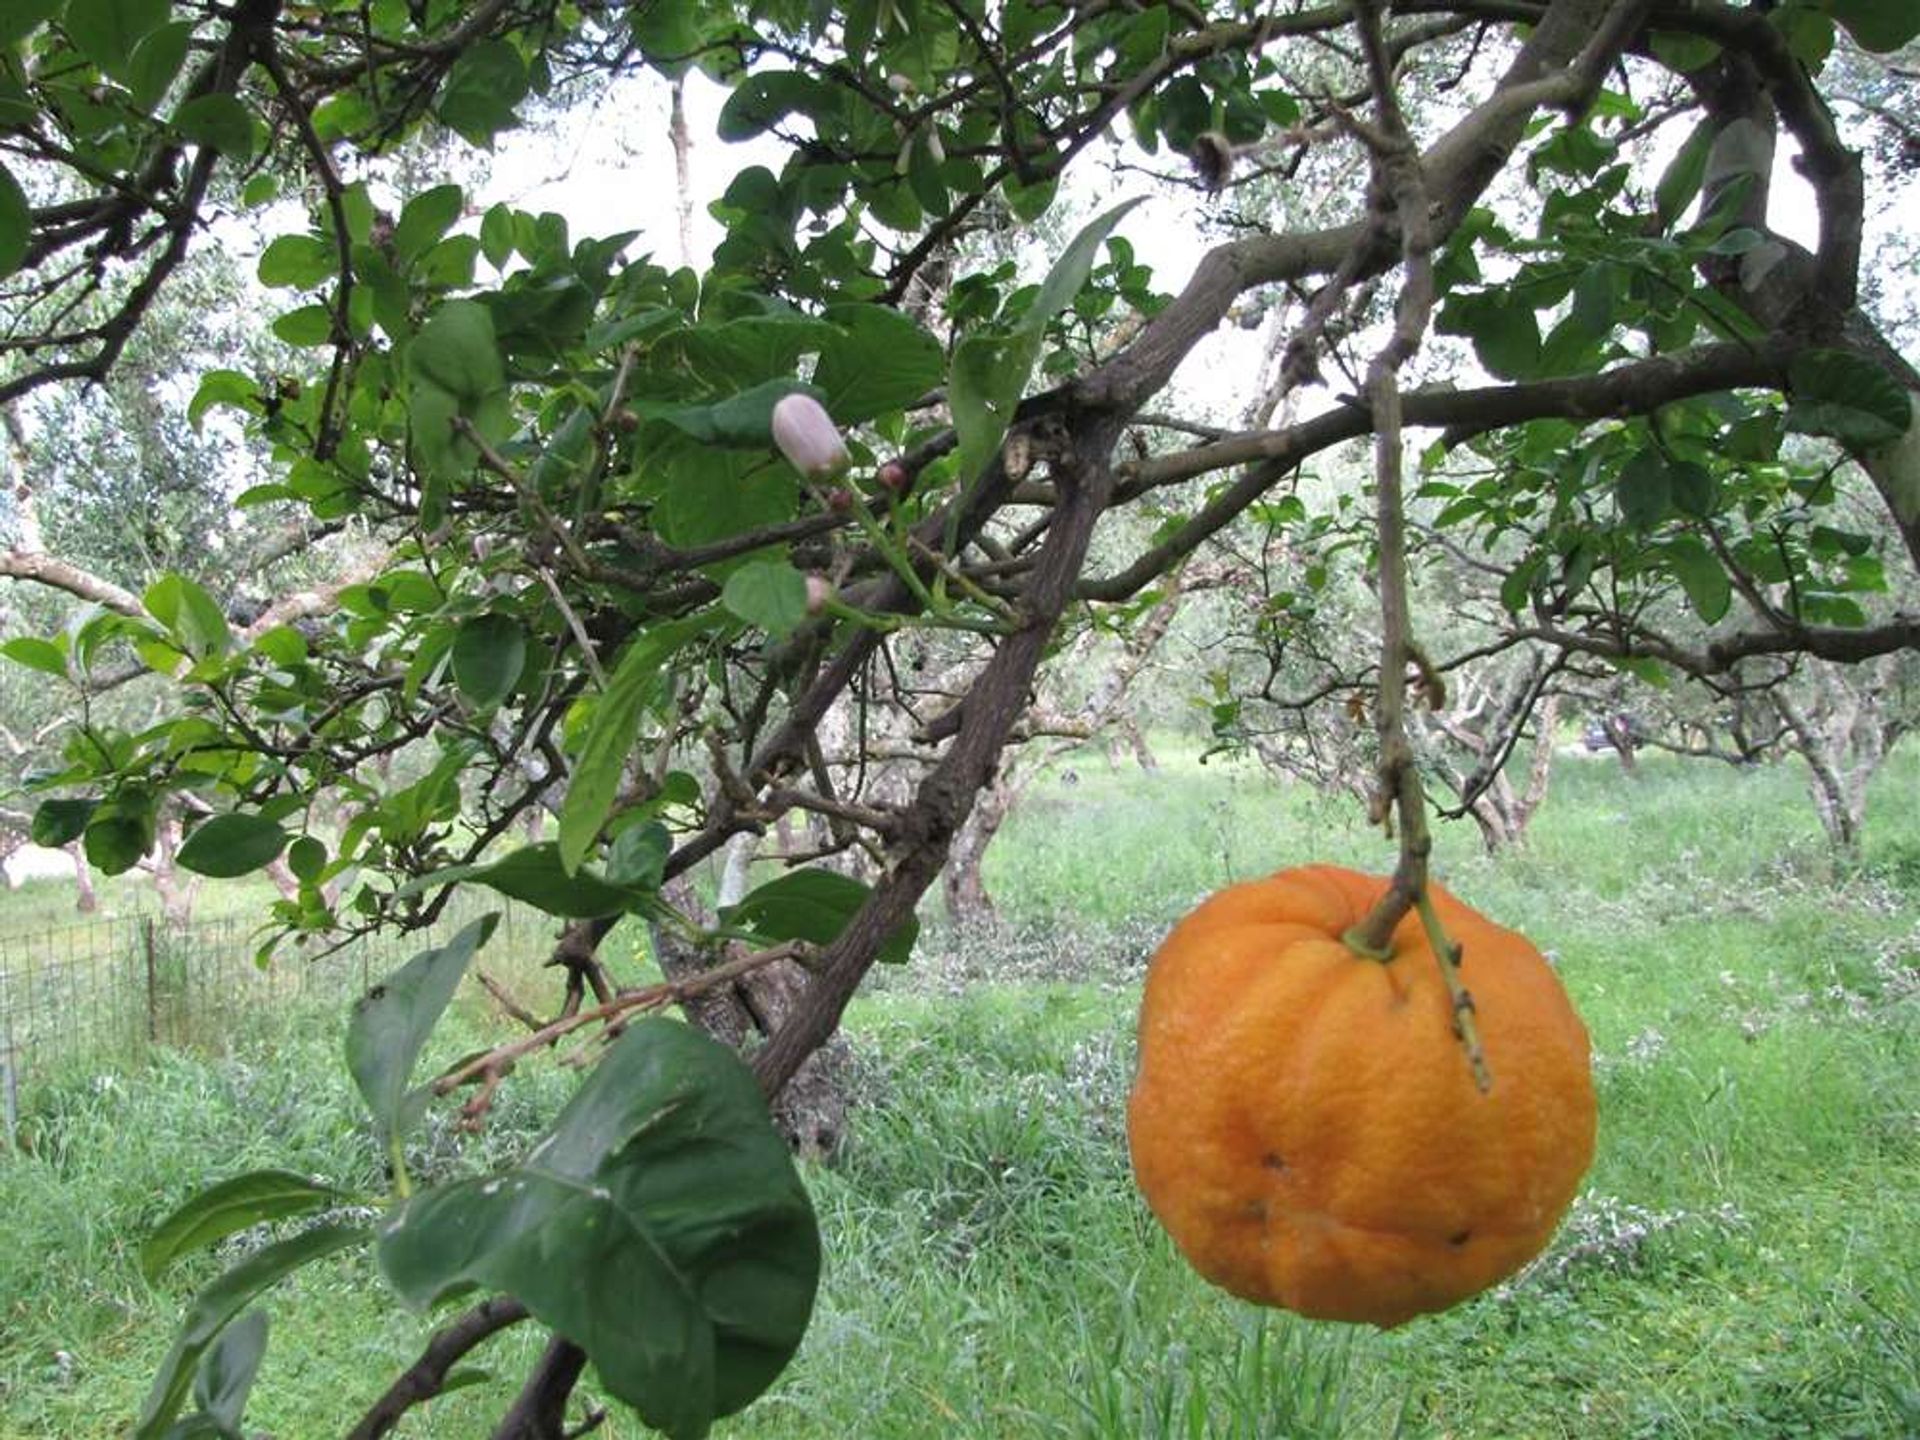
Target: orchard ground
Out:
[1740,1262]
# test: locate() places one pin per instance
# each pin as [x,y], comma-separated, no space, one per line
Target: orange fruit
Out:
[1304,1121]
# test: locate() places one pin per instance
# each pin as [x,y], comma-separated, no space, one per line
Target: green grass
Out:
[1741,1262]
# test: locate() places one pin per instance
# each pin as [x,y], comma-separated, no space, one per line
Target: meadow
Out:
[1741,1261]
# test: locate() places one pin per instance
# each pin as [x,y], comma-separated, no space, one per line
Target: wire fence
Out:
[104,992]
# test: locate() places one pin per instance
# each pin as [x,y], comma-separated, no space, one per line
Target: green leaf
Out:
[58,823]
[255,1198]
[768,593]
[637,859]
[660,1226]
[120,832]
[743,421]
[16,223]
[878,361]
[218,121]
[489,654]
[814,905]
[222,387]
[611,734]
[306,327]
[1809,34]
[107,31]
[1702,576]
[392,1021]
[761,101]
[1503,327]
[456,352]
[219,1303]
[230,845]
[37,654]
[1678,50]
[1693,488]
[22,17]
[496,236]
[155,61]
[1680,182]
[482,88]
[1853,400]
[189,614]
[424,219]
[298,262]
[1644,490]
[226,1374]
[990,373]
[1878,25]
[535,875]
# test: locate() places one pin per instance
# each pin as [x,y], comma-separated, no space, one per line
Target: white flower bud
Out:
[936,152]
[806,435]
[819,592]
[900,84]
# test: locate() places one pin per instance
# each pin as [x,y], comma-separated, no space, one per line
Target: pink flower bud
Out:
[840,500]
[893,476]
[819,592]
[806,435]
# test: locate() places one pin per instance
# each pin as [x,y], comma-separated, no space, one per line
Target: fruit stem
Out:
[1399,194]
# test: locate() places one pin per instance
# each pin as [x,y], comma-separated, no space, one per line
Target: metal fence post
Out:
[153,985]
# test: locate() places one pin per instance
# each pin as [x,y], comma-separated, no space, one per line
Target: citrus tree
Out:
[632,534]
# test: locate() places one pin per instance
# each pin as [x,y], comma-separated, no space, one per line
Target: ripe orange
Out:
[1304,1121]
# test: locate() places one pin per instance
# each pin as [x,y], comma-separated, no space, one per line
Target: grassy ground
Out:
[1741,1262]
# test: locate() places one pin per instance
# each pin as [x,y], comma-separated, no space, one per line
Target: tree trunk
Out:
[968,903]
[86,901]
[811,1110]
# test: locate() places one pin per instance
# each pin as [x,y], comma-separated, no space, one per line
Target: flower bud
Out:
[819,592]
[840,500]
[900,84]
[936,152]
[805,434]
[893,476]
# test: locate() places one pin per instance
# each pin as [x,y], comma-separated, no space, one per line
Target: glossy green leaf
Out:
[744,420]
[37,654]
[21,17]
[306,327]
[1878,25]
[489,653]
[258,1197]
[425,219]
[299,262]
[1693,488]
[1680,182]
[761,101]
[814,905]
[637,859]
[120,833]
[534,874]
[1839,394]
[230,845]
[660,1226]
[611,734]
[1644,490]
[222,387]
[227,1372]
[190,615]
[1702,576]
[990,373]
[156,60]
[878,361]
[58,823]
[483,87]
[768,593]
[16,223]
[219,121]
[456,351]
[219,1303]
[392,1022]
[108,31]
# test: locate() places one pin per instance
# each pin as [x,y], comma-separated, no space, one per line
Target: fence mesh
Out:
[101,992]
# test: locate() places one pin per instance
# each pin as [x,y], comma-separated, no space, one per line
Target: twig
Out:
[427,1376]
[497,1060]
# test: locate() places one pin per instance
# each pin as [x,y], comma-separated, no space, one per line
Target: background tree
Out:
[585,571]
